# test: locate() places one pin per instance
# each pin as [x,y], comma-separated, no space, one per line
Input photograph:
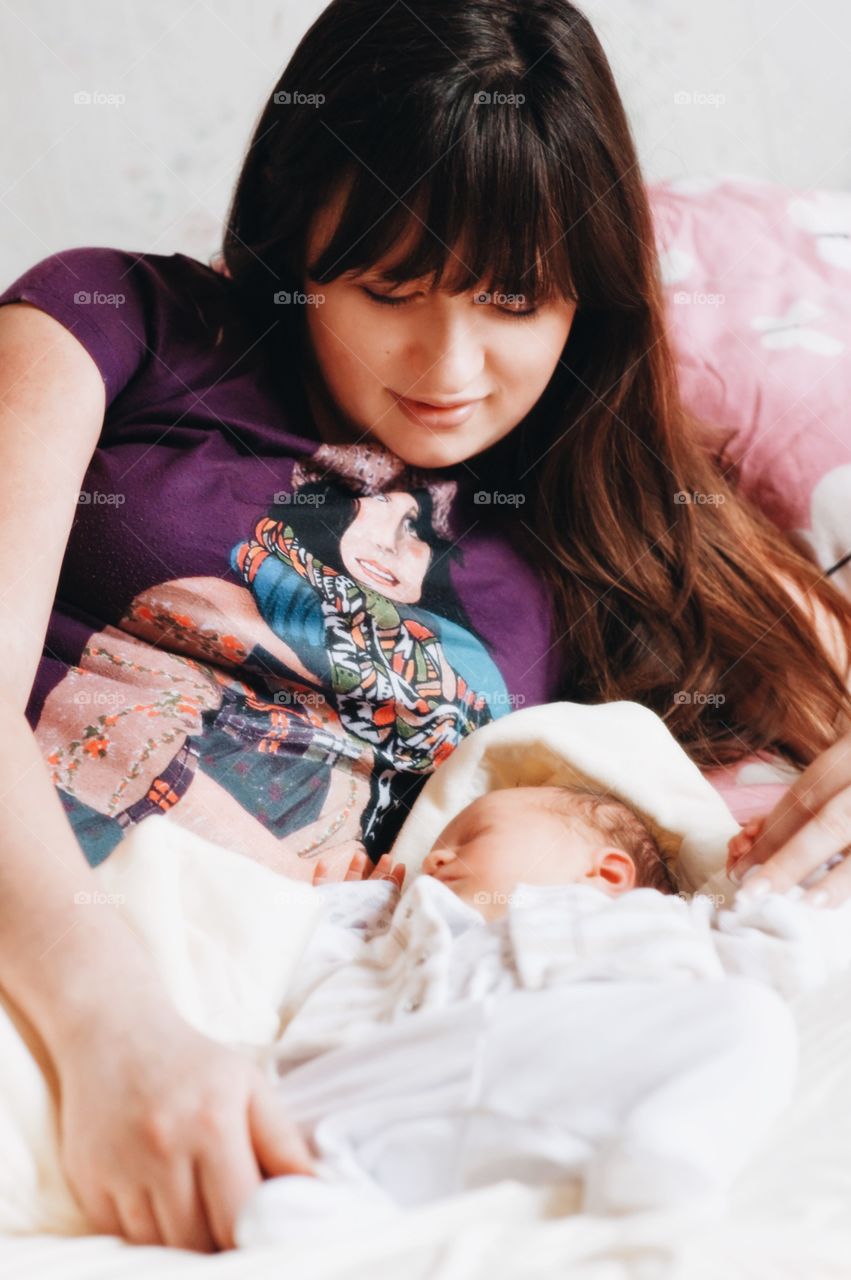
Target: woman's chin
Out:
[427,451]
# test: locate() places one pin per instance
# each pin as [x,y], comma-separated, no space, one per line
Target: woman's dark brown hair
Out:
[494,130]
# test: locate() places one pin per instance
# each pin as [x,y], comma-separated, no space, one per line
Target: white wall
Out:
[780,70]
[154,174]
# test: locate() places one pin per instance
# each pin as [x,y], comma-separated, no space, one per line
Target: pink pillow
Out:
[758,281]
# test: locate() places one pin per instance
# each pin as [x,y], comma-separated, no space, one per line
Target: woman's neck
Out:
[326,417]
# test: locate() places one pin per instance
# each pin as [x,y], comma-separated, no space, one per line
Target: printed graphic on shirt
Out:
[297,710]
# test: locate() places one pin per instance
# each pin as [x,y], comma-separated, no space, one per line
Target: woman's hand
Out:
[164,1133]
[809,825]
[361,868]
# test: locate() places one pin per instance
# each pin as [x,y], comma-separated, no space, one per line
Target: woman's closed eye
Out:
[387,300]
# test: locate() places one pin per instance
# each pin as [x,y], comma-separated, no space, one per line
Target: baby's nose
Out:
[436,859]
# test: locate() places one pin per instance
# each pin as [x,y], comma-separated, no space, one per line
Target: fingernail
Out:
[817,897]
[736,874]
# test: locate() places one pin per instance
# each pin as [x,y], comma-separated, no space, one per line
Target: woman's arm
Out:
[51,411]
[163,1132]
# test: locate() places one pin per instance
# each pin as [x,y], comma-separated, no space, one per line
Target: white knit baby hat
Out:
[621,748]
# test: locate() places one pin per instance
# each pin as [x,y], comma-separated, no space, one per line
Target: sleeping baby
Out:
[541,1005]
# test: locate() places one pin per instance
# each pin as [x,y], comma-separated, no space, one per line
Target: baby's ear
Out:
[616,868]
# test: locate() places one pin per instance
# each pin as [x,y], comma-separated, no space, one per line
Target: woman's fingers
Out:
[138,1222]
[100,1209]
[226,1175]
[833,888]
[802,823]
[160,1140]
[278,1143]
[185,1220]
[826,833]
[320,872]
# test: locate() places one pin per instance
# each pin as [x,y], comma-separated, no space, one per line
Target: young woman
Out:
[438,311]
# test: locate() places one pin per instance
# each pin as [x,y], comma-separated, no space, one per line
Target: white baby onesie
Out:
[426,1051]
[377,956]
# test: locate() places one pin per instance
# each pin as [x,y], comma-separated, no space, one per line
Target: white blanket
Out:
[226,935]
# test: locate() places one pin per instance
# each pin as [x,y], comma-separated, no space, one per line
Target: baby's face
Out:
[509,836]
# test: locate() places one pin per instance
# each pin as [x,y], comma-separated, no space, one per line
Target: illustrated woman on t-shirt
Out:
[369,675]
[359,586]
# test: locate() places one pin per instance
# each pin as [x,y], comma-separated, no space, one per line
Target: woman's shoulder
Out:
[128,308]
[92,279]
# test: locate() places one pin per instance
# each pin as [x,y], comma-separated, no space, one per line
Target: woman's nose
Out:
[386,533]
[450,348]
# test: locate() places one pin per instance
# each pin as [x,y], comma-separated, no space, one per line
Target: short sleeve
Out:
[103,297]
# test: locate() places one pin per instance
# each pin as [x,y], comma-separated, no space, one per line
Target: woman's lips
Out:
[429,416]
[378,572]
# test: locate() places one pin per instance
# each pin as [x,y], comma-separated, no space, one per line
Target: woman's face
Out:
[382,549]
[431,346]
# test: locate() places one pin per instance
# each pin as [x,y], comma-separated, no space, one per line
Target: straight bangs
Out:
[480,205]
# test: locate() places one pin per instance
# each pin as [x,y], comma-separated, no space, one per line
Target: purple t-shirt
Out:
[268,638]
